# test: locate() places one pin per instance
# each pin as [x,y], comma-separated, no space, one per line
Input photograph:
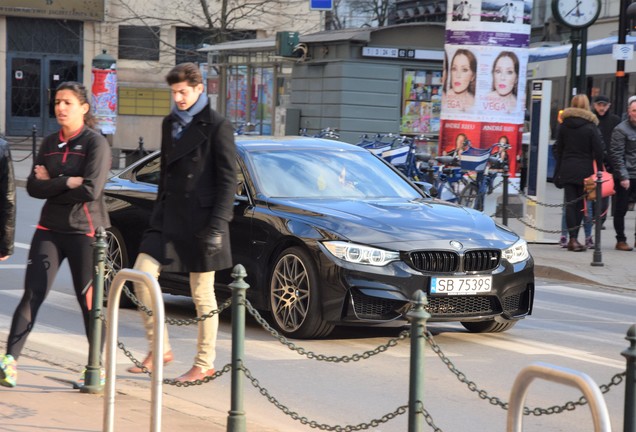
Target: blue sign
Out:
[321,4]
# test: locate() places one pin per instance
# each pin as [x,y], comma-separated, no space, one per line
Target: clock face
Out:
[576,13]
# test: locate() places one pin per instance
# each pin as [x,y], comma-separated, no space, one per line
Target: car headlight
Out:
[517,252]
[359,254]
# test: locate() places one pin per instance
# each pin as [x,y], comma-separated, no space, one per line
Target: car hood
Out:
[422,223]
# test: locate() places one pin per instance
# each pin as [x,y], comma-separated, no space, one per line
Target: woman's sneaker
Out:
[563,242]
[8,371]
[589,243]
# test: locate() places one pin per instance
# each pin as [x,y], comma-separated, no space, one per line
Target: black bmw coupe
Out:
[330,234]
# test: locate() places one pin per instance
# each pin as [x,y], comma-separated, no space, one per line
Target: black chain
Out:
[177,322]
[311,355]
[483,394]
[173,382]
[321,426]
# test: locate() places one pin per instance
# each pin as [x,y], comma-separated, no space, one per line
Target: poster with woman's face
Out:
[485,84]
[461,85]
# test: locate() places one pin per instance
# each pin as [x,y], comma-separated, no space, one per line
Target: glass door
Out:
[57,71]
[31,93]
[25,95]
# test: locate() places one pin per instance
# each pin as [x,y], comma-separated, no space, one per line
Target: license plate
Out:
[461,285]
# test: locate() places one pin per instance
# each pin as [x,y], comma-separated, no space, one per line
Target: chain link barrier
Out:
[321,357]
[542,204]
[494,400]
[483,394]
[175,322]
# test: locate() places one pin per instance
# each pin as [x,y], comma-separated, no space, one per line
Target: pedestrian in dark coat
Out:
[623,155]
[607,121]
[578,145]
[7,201]
[189,226]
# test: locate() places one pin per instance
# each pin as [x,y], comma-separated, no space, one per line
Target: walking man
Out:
[189,226]
[622,153]
[607,121]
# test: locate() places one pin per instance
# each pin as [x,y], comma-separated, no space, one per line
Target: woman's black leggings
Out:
[48,251]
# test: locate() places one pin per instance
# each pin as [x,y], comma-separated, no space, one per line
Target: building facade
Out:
[54,41]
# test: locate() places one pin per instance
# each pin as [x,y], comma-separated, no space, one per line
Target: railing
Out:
[418,415]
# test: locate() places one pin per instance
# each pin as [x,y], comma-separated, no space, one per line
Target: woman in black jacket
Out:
[7,202]
[69,172]
[578,145]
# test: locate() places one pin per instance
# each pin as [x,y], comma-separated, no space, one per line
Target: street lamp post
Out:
[619,98]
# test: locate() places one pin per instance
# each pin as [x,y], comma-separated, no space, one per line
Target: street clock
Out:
[576,14]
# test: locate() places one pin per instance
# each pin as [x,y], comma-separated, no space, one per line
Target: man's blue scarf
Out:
[181,119]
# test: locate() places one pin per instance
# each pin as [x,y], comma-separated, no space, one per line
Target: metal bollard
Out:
[504,201]
[417,317]
[92,381]
[597,259]
[34,134]
[236,418]
[158,314]
[629,418]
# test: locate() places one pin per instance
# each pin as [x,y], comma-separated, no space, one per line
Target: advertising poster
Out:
[104,100]
[421,102]
[483,91]
[485,83]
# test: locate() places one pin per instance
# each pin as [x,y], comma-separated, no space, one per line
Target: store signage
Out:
[321,4]
[89,10]
[402,53]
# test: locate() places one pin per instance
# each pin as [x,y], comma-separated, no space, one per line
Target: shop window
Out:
[421,102]
[250,98]
[144,101]
[139,43]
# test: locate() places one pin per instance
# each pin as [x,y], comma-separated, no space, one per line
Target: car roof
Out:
[265,143]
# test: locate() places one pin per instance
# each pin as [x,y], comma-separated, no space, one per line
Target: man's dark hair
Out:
[188,72]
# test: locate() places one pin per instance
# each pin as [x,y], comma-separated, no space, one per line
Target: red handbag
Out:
[607,184]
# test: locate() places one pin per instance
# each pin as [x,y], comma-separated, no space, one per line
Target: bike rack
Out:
[560,375]
[114,296]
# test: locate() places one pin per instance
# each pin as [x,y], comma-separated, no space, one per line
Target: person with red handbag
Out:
[622,153]
[579,144]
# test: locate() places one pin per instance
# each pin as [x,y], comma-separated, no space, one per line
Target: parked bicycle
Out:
[245,129]
[327,132]
[447,178]
[485,168]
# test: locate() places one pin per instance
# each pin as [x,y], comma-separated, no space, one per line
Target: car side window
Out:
[240,182]
[149,173]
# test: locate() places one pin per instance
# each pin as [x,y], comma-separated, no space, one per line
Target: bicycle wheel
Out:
[468,196]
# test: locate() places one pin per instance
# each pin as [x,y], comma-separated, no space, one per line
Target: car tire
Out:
[294,296]
[116,259]
[489,326]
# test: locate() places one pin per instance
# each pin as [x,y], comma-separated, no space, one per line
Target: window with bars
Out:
[139,43]
[44,36]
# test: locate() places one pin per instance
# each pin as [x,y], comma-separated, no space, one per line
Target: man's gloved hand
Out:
[212,241]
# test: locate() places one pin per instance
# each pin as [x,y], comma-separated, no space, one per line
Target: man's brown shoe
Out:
[194,374]
[621,245]
[147,363]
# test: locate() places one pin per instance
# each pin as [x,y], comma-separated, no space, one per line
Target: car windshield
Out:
[324,173]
